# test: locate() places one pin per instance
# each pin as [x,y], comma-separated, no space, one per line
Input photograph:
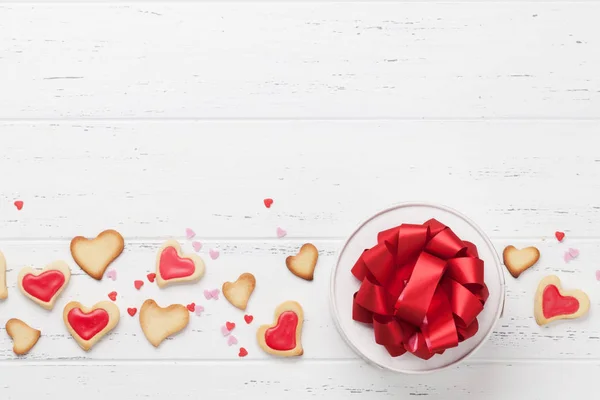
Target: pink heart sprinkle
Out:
[197,246]
[231,340]
[567,257]
[112,274]
[211,294]
[189,233]
[573,252]
[280,232]
[225,331]
[199,310]
[213,253]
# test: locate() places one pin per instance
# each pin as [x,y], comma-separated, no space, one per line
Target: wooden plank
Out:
[516,337]
[299,60]
[153,179]
[296,380]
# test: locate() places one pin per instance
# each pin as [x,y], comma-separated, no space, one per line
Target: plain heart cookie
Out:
[283,337]
[517,261]
[174,267]
[158,323]
[552,303]
[88,325]
[3,288]
[45,285]
[238,293]
[23,336]
[303,264]
[95,255]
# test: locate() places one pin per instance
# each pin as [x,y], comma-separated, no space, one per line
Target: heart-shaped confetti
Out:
[131,311]
[112,274]
[199,310]
[559,235]
[248,318]
[138,284]
[189,233]
[243,352]
[19,204]
[211,294]
[268,202]
[567,257]
[574,253]
[112,296]
[197,246]
[213,253]
[231,340]
[191,307]
[151,277]
[230,325]
[225,331]
[281,233]
[598,275]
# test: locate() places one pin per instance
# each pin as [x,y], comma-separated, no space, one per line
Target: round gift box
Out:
[359,336]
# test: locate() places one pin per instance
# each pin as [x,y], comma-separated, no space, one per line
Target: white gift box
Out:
[360,337]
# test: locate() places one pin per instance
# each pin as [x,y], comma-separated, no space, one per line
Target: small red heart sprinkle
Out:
[131,311]
[243,352]
[151,277]
[268,202]
[112,296]
[559,235]
[191,307]
[138,284]
[19,204]
[230,325]
[248,318]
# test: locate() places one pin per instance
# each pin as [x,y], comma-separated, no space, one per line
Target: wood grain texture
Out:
[299,60]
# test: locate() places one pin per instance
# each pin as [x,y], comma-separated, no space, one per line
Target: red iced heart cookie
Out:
[283,338]
[552,303]
[174,267]
[44,286]
[89,325]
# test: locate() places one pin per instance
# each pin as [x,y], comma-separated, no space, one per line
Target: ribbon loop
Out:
[422,288]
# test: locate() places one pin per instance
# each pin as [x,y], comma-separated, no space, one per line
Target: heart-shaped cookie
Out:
[238,293]
[3,288]
[552,303]
[517,261]
[303,264]
[95,255]
[88,325]
[283,337]
[174,267]
[158,323]
[23,336]
[45,285]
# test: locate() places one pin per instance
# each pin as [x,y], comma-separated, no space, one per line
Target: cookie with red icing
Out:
[88,325]
[45,285]
[174,267]
[552,303]
[3,288]
[283,337]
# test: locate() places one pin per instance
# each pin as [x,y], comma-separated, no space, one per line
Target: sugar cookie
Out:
[95,255]
[3,288]
[174,267]
[158,323]
[238,293]
[44,286]
[88,325]
[517,261]
[23,336]
[552,303]
[283,337]
[303,264]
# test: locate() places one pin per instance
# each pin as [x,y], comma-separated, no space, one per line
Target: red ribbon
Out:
[422,289]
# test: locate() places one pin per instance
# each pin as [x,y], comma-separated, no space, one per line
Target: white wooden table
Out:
[152,117]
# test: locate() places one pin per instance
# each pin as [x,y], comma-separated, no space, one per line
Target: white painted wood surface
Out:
[152,117]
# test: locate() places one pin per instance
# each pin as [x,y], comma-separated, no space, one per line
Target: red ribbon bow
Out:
[422,289]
